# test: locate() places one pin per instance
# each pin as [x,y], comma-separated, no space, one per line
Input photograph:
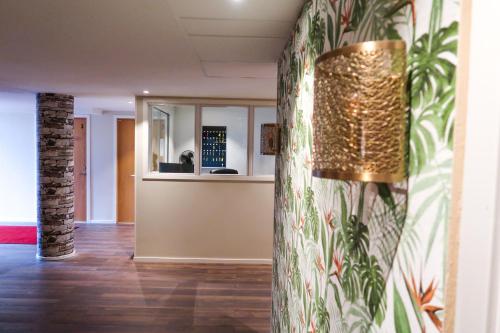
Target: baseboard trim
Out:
[102,221]
[18,223]
[66,256]
[203,260]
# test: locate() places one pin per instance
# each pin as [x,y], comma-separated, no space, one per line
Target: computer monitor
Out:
[176,168]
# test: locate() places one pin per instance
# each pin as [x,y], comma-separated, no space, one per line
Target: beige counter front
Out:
[198,221]
[201,221]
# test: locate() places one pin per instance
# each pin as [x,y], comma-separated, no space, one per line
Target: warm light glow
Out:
[360,114]
[145,92]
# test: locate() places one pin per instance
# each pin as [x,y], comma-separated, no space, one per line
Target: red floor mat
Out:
[17,235]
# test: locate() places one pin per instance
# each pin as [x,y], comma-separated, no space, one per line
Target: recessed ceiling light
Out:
[130,102]
[145,92]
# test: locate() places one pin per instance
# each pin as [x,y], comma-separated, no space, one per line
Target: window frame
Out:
[199,103]
[167,145]
[200,125]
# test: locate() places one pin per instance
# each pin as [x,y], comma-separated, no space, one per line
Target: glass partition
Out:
[204,137]
[171,141]
[159,137]
[224,140]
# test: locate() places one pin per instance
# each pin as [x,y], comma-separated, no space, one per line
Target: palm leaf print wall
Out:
[356,257]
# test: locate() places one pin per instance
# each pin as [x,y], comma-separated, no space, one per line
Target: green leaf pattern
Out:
[344,249]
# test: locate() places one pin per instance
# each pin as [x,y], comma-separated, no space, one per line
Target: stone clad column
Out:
[55,176]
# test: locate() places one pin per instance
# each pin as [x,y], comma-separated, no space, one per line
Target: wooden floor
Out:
[102,290]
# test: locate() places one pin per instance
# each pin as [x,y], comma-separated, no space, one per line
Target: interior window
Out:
[172,138]
[224,140]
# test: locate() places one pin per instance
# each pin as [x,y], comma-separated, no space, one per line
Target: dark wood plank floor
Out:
[102,290]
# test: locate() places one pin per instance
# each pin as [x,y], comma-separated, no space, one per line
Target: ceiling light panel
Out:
[279,10]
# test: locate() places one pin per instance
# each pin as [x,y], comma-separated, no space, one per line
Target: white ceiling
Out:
[107,51]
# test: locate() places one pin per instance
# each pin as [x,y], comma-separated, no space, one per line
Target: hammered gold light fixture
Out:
[360,113]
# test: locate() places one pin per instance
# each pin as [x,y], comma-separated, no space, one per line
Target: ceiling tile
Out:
[122,47]
[238,49]
[240,70]
[228,27]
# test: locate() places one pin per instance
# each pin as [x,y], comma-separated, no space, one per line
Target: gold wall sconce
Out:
[269,139]
[360,119]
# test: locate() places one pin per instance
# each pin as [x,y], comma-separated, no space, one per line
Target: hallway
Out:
[102,290]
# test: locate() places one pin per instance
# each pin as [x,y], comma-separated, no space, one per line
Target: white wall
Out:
[102,165]
[262,164]
[236,121]
[102,169]
[478,279]
[17,158]
[18,161]
[183,130]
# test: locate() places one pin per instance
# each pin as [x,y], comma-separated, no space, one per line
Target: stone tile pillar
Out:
[55,176]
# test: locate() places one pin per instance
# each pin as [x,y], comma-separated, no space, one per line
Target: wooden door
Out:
[125,206]
[80,171]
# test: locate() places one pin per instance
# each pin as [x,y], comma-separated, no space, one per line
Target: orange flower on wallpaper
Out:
[319,264]
[421,300]
[413,12]
[332,2]
[338,261]
[309,288]
[307,162]
[329,219]
[400,5]
[312,328]
[346,15]
[302,222]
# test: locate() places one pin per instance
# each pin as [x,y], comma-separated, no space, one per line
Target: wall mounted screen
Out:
[213,145]
[234,119]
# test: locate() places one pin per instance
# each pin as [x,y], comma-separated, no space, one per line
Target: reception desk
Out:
[200,218]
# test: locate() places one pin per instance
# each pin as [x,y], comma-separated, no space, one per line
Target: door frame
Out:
[87,166]
[115,162]
[475,230]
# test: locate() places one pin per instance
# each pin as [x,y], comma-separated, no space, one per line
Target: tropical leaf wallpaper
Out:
[365,257]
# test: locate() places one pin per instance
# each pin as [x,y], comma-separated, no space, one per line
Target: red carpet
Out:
[17,235]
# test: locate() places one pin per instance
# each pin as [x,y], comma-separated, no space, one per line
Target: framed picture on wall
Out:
[269,139]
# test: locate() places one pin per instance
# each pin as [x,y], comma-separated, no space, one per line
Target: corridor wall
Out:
[354,257]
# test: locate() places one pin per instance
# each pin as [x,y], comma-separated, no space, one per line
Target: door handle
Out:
[132,175]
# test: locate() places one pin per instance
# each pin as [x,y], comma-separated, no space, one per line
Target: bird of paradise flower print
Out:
[346,253]
[421,300]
